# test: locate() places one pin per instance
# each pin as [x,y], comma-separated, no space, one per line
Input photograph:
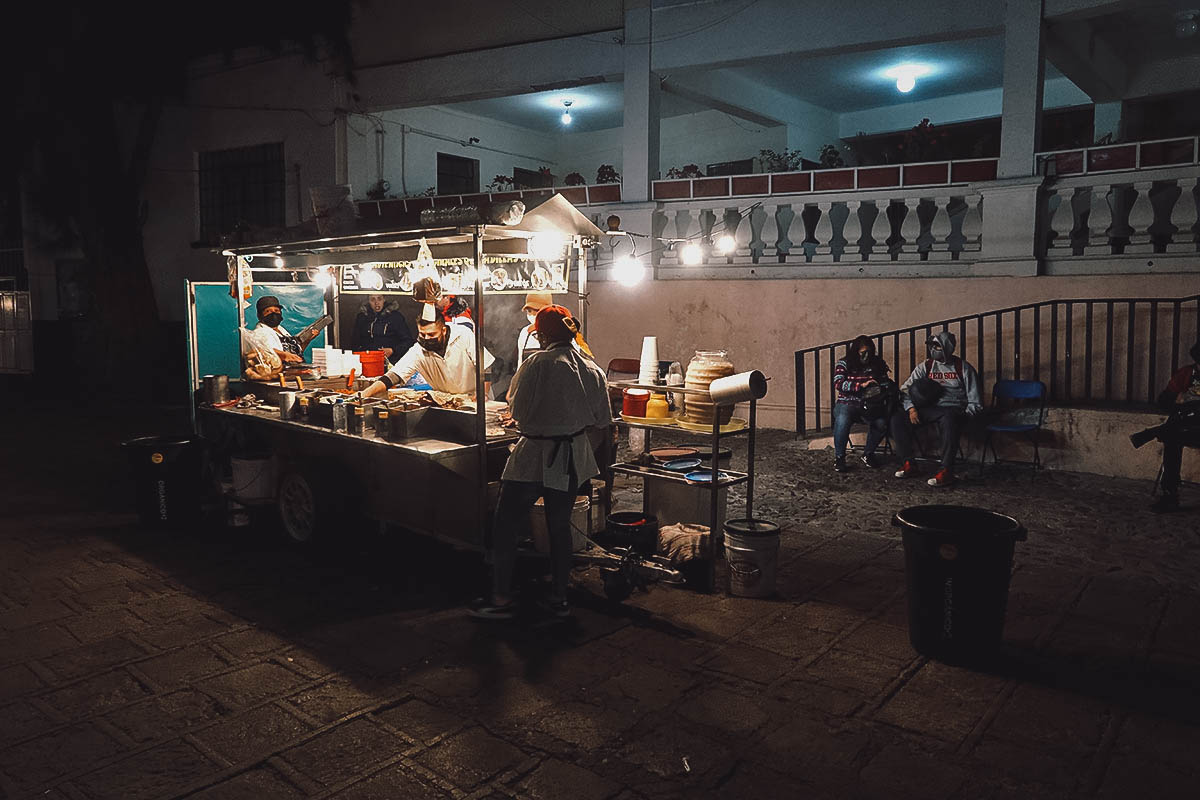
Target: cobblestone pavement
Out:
[222,664]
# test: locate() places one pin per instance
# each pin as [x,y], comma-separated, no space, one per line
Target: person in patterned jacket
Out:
[854,377]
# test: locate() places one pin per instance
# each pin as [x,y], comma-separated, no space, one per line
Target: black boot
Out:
[839,464]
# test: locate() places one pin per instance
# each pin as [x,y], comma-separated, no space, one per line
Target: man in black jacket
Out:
[380,326]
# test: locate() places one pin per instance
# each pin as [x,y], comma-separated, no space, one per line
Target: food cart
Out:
[438,475]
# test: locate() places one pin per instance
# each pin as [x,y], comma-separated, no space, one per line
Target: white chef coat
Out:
[557,392]
[453,372]
[263,336]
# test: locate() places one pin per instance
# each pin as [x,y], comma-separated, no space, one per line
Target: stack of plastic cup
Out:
[648,371]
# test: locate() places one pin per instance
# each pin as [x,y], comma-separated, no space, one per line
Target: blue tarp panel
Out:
[218,344]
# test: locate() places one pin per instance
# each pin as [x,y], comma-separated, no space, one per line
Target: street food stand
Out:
[439,477]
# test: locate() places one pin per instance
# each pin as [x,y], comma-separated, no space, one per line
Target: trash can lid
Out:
[751,527]
[959,520]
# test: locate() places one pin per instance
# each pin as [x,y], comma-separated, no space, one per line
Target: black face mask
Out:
[435,345]
[864,358]
[273,319]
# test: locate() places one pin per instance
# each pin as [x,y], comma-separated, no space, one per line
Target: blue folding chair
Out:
[1010,396]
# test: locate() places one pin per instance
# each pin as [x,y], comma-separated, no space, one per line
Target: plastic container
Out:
[373,363]
[657,406]
[957,561]
[752,552]
[633,402]
[579,525]
[166,475]
[632,529]
[253,478]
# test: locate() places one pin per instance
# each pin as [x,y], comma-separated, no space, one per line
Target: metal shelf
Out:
[645,471]
[660,388]
[677,429]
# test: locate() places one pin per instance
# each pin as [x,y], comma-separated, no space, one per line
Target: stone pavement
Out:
[221,664]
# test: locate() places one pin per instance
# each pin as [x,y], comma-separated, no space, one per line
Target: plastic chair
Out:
[1008,395]
[620,369]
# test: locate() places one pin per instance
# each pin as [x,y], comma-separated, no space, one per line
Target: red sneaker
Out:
[943,478]
[907,470]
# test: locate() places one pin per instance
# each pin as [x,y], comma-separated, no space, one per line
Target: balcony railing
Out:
[1147,212]
[1119,157]
[889,176]
[1114,352]
[577,195]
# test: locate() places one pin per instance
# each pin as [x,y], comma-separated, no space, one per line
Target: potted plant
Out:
[500,183]
[687,171]
[575,179]
[607,173]
[783,161]
[830,157]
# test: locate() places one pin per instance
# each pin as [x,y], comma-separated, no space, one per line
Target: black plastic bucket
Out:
[957,561]
[166,476]
[632,529]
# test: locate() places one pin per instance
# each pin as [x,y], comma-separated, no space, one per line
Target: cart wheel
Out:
[617,586]
[298,509]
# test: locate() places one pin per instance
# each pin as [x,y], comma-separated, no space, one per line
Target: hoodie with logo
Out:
[958,379]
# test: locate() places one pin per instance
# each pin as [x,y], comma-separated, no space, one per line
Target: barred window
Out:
[242,187]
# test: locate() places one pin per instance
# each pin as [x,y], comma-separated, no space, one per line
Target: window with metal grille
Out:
[241,188]
[457,175]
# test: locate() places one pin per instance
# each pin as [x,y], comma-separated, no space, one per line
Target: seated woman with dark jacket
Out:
[380,326]
[863,392]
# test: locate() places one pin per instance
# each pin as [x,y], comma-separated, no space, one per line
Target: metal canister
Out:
[354,422]
[301,413]
[339,416]
[381,423]
[287,405]
[216,389]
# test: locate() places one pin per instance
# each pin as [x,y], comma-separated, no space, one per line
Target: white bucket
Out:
[253,479]
[752,551]
[579,525]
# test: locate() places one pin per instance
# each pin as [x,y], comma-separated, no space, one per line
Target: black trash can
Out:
[166,475]
[957,561]
[632,529]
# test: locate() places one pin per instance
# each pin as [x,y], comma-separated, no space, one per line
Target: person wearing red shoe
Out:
[943,389]
[1182,392]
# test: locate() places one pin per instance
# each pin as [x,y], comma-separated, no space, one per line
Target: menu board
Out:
[503,273]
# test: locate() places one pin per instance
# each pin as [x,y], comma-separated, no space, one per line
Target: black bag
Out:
[879,399]
[924,392]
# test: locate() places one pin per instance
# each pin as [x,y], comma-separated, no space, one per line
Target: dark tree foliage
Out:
[90,80]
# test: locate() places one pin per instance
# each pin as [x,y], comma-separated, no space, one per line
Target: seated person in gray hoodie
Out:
[942,389]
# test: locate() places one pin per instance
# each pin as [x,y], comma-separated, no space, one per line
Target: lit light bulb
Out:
[726,245]
[546,246]
[691,254]
[906,83]
[905,75]
[566,118]
[370,279]
[279,262]
[323,278]
[628,271]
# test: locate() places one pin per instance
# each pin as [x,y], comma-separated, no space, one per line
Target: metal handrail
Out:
[1001,357]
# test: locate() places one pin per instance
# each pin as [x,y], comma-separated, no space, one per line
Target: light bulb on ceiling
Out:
[566,115]
[906,83]
[1186,25]
[278,262]
[628,271]
[323,278]
[691,254]
[370,279]
[905,75]
[726,245]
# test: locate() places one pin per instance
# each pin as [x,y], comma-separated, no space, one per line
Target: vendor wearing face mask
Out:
[444,354]
[527,339]
[269,333]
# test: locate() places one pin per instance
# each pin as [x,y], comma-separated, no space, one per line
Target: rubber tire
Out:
[302,510]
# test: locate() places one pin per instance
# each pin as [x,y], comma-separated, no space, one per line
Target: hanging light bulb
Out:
[628,271]
[279,262]
[906,83]
[905,75]
[691,254]
[370,279]
[566,115]
[323,278]
[726,245]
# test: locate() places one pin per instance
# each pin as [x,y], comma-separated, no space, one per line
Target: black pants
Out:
[1172,462]
[949,422]
[512,520]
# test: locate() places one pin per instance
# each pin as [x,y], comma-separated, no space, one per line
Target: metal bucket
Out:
[216,389]
[752,551]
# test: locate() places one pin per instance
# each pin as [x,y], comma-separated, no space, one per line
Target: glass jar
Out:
[704,368]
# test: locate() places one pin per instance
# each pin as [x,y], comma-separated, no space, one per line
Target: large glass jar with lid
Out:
[704,368]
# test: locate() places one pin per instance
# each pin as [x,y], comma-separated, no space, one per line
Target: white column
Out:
[640,132]
[1021,112]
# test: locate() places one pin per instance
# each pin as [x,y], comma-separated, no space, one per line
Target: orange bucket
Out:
[373,363]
